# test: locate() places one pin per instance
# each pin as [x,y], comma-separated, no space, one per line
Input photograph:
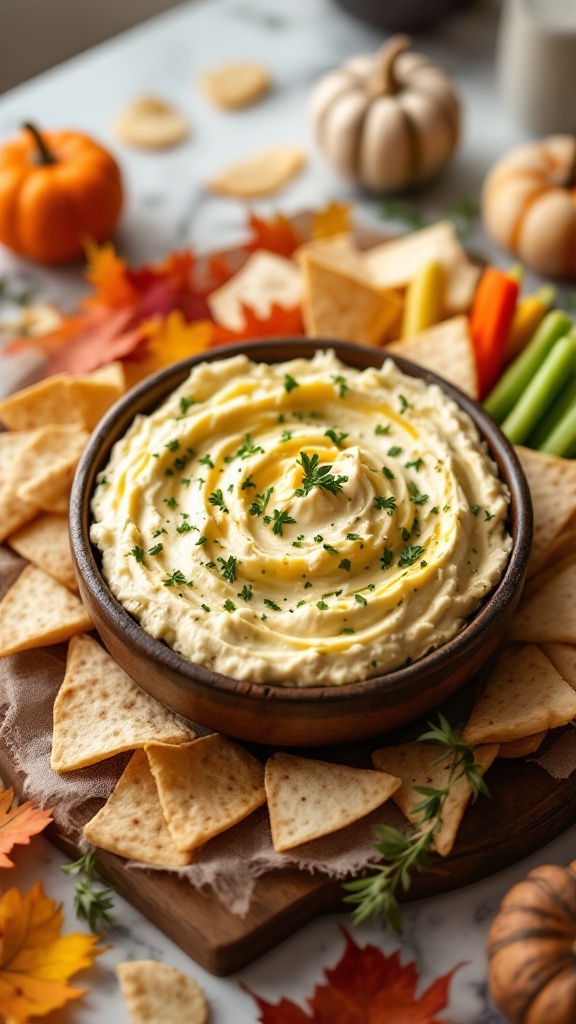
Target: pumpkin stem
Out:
[44,156]
[383,81]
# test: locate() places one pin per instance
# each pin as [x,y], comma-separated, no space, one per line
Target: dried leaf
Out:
[333,220]
[365,985]
[169,340]
[281,323]
[36,962]
[18,822]
[276,234]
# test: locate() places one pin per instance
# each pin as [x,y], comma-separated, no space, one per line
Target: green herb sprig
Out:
[91,903]
[403,854]
[317,476]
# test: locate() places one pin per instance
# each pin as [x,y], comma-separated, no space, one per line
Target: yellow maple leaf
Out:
[36,962]
[170,339]
[18,822]
[333,220]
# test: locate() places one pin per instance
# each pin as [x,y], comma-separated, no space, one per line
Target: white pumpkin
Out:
[387,120]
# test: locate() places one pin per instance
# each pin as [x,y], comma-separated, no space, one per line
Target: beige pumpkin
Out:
[529,204]
[387,120]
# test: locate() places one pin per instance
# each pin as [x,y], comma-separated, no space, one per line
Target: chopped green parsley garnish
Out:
[345,564]
[410,554]
[307,585]
[300,603]
[318,538]
[156,549]
[330,549]
[290,383]
[388,504]
[171,502]
[173,445]
[248,482]
[157,533]
[317,476]
[404,403]
[137,553]
[184,527]
[359,599]
[281,519]
[386,558]
[346,629]
[353,536]
[435,510]
[322,606]
[381,429]
[286,436]
[475,509]
[177,579]
[415,494]
[394,451]
[488,515]
[217,499]
[260,503]
[388,473]
[228,568]
[185,404]
[298,542]
[206,460]
[246,592]
[405,533]
[336,438]
[102,481]
[206,608]
[270,604]
[245,450]
[201,540]
[417,464]
[342,385]
[186,481]
[229,605]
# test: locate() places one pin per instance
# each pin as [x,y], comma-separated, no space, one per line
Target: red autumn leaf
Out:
[365,987]
[277,235]
[280,323]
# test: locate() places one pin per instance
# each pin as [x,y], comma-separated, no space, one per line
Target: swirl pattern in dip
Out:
[301,523]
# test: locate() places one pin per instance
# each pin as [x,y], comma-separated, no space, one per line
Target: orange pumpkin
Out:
[532,949]
[57,191]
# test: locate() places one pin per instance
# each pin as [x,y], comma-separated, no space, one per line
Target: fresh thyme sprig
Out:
[90,903]
[375,897]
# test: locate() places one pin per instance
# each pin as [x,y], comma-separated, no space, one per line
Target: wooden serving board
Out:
[528,808]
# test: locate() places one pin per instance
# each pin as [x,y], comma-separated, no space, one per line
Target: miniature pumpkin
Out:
[57,191]
[532,949]
[529,204]
[387,120]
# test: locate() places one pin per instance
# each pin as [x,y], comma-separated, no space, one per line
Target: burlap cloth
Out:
[229,864]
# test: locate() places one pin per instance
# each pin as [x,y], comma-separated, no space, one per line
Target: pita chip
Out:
[131,822]
[14,511]
[47,402]
[446,349]
[47,464]
[520,748]
[151,123]
[45,542]
[236,84]
[266,172]
[94,393]
[340,251]
[413,763]
[524,695]
[308,799]
[266,279]
[38,611]
[393,264]
[549,614]
[156,993]
[563,657]
[100,711]
[205,787]
[552,483]
[337,303]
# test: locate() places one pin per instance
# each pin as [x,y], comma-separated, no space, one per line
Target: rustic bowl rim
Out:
[97,452]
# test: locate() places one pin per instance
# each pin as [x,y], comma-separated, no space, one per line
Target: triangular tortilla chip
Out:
[563,657]
[38,611]
[266,279]
[156,993]
[45,403]
[14,512]
[552,483]
[266,172]
[308,799]
[339,304]
[99,711]
[393,264]
[524,695]
[447,350]
[550,614]
[413,763]
[519,748]
[131,822]
[45,542]
[48,463]
[205,787]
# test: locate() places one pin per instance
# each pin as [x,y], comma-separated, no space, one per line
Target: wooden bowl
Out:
[283,714]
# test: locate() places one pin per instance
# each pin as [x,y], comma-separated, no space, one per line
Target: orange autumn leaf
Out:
[18,823]
[276,234]
[365,985]
[106,272]
[333,220]
[168,341]
[36,962]
[280,323]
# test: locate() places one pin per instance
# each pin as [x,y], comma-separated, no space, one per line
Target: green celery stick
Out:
[562,439]
[546,384]
[517,377]
[565,400]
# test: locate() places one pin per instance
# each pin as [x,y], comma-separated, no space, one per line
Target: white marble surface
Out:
[167,207]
